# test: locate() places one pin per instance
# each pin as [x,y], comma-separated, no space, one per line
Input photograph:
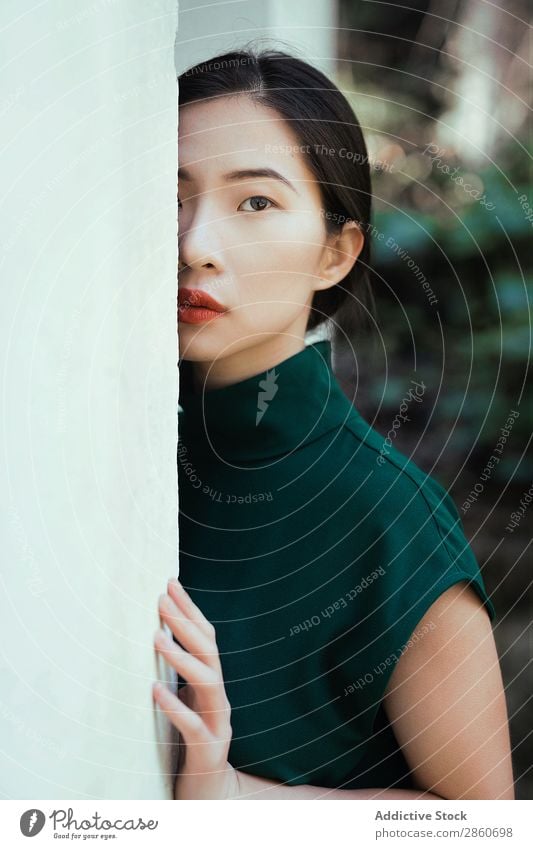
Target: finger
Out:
[208,686]
[189,635]
[187,721]
[181,597]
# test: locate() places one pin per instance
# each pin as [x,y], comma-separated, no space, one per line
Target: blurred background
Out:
[441,91]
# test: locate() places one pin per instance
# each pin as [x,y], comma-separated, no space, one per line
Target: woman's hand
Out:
[202,711]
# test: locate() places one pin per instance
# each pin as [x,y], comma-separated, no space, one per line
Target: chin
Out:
[197,347]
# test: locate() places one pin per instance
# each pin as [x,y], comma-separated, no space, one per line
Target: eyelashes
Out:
[261,198]
[271,203]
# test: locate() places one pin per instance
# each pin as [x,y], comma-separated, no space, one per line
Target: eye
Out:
[262,199]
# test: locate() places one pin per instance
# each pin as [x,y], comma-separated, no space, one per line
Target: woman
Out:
[331,628]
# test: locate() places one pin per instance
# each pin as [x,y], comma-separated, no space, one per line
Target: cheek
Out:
[288,243]
[276,263]
[268,301]
[280,239]
[283,277]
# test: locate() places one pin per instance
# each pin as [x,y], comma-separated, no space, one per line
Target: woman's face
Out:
[256,243]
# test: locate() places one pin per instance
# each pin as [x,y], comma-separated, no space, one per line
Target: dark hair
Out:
[325,123]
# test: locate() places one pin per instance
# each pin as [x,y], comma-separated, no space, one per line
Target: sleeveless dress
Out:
[315,553]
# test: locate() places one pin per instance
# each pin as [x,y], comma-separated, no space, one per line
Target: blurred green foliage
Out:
[476,261]
[472,347]
[413,73]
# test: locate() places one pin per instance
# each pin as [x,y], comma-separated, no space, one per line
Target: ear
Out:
[340,254]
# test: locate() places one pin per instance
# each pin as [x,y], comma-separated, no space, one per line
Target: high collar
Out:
[269,414]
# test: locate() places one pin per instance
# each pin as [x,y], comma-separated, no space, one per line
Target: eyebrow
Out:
[247,174]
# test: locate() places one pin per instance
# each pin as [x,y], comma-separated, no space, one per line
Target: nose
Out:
[199,241]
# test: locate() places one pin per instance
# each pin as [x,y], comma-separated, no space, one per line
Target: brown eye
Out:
[258,203]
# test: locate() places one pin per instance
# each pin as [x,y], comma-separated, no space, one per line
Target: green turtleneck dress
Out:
[315,554]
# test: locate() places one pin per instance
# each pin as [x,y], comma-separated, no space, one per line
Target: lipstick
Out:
[195,306]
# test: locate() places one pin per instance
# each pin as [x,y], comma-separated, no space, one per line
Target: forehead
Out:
[235,132]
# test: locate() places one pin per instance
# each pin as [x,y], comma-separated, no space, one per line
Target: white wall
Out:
[88,506]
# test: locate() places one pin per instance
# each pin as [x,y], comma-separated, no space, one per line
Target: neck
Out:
[271,412]
[243,363]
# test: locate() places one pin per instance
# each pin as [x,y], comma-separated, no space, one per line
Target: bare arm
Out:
[446,703]
[254,787]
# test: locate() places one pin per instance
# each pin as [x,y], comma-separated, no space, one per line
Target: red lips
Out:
[195,306]
[195,298]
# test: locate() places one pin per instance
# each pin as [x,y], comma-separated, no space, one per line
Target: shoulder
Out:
[411,523]
[394,480]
